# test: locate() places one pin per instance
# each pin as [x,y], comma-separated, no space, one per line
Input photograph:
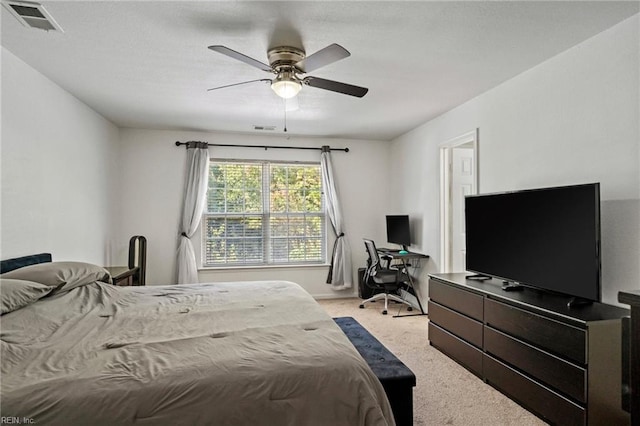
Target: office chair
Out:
[388,279]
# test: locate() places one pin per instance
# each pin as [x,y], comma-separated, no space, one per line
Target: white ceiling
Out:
[146,64]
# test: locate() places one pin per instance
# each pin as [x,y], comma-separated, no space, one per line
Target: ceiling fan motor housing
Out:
[285,57]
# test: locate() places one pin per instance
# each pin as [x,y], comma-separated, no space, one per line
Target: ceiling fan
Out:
[289,63]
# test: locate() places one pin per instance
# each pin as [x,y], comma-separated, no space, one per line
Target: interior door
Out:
[462,183]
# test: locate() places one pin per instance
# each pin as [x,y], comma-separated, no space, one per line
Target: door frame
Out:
[446,149]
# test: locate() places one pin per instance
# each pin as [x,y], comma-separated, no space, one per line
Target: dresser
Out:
[563,364]
[631,356]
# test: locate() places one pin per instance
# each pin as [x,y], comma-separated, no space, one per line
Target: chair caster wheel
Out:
[409,308]
[384,312]
[361,306]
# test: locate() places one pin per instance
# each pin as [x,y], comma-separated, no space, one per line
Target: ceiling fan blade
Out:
[240,57]
[335,86]
[238,84]
[326,56]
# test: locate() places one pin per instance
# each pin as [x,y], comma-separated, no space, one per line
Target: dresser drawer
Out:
[459,300]
[455,323]
[561,339]
[567,378]
[467,355]
[532,395]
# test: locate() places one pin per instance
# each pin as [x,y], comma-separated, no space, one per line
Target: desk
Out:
[405,258]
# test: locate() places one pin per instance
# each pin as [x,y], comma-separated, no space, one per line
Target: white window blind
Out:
[264,213]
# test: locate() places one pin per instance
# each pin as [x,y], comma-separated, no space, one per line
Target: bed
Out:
[82,351]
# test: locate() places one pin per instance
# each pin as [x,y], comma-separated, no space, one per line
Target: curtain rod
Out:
[178,143]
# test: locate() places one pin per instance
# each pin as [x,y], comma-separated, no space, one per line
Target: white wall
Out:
[75,185]
[153,169]
[572,119]
[57,169]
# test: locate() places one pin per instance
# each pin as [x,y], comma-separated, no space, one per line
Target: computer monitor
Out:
[398,231]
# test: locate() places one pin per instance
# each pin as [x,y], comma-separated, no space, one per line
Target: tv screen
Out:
[547,238]
[398,231]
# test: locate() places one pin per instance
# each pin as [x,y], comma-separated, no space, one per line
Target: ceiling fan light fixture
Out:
[286,85]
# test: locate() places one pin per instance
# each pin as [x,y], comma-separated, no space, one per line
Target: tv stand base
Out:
[576,302]
[511,286]
[478,277]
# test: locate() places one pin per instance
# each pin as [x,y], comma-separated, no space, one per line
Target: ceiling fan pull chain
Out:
[285,114]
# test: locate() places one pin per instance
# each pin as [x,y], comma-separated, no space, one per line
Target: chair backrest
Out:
[372,251]
[374,259]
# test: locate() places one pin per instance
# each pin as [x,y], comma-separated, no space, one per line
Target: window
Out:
[264,213]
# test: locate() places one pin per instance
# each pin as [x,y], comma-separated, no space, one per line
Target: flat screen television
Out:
[547,238]
[398,231]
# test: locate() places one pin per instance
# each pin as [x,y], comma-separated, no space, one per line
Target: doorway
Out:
[458,177]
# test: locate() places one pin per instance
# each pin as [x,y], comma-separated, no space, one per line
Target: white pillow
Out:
[62,276]
[15,294]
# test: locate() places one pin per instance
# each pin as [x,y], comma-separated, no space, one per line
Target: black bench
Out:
[396,378]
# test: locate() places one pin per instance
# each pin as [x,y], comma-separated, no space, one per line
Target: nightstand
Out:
[123,275]
[136,270]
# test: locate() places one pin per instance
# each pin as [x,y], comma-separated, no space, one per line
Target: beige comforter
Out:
[250,353]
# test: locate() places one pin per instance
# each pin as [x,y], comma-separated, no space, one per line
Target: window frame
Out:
[266,215]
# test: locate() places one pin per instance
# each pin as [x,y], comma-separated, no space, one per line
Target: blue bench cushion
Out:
[386,366]
[396,378]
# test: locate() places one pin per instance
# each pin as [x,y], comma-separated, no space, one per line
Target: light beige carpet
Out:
[445,393]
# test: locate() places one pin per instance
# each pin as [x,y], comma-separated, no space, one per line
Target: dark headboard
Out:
[21,262]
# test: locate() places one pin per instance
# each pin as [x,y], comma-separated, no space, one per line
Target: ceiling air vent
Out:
[268,128]
[32,15]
